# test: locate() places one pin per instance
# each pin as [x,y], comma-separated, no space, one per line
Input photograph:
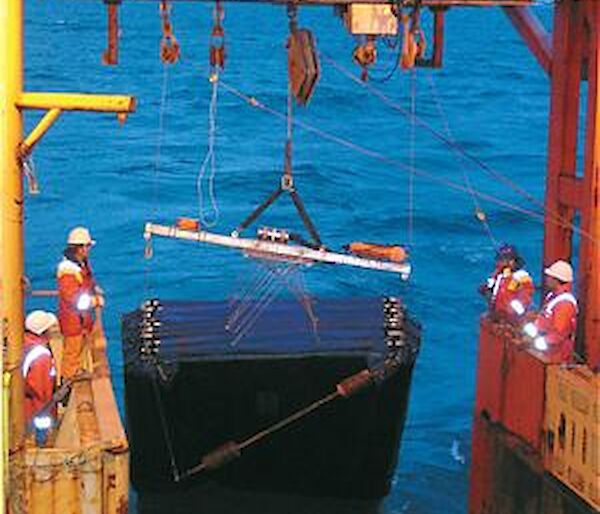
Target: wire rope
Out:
[165,429]
[412,156]
[252,101]
[209,217]
[479,211]
[157,165]
[421,122]
[264,300]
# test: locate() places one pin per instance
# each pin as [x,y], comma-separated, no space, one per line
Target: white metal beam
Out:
[269,249]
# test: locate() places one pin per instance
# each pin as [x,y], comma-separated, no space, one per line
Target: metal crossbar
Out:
[270,250]
[405,3]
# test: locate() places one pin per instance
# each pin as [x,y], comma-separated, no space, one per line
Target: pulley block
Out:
[303,65]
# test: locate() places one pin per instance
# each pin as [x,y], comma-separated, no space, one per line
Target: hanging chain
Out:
[29,172]
[217,40]
[413,40]
[169,47]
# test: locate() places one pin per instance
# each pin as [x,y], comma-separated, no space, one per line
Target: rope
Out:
[299,290]
[246,304]
[210,217]
[156,169]
[290,113]
[394,68]
[243,303]
[252,101]
[275,285]
[292,13]
[412,155]
[165,429]
[245,311]
[480,214]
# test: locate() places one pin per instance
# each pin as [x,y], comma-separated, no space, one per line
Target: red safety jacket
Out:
[39,374]
[557,322]
[74,280]
[507,285]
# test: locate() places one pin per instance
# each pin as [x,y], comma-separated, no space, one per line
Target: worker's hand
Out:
[99,300]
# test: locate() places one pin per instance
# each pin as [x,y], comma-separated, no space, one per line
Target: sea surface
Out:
[491,98]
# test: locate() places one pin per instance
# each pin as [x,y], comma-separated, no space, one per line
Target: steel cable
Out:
[450,184]
[420,121]
[448,131]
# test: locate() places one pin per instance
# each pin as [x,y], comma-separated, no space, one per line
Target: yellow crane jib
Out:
[56,103]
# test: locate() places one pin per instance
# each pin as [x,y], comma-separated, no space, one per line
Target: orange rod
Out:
[111,55]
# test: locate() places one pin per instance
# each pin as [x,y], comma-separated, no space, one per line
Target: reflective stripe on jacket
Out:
[507,286]
[557,320]
[38,372]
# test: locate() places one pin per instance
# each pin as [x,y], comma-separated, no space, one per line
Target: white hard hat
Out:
[80,236]
[560,270]
[39,321]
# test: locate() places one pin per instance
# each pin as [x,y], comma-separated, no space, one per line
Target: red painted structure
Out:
[511,381]
[572,57]
[576,38]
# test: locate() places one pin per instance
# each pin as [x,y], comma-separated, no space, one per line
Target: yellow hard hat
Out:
[39,321]
[80,236]
[560,270]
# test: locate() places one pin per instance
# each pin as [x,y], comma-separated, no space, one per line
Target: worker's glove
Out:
[98,290]
[484,290]
[535,336]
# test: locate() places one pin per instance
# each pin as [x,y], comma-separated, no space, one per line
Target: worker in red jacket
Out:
[38,369]
[78,296]
[509,289]
[554,328]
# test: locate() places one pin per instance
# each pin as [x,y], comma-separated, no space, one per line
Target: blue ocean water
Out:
[114,178]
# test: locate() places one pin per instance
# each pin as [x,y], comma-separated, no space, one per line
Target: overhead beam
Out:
[406,3]
[534,34]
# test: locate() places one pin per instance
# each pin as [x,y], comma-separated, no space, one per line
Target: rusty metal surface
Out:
[572,428]
[505,371]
